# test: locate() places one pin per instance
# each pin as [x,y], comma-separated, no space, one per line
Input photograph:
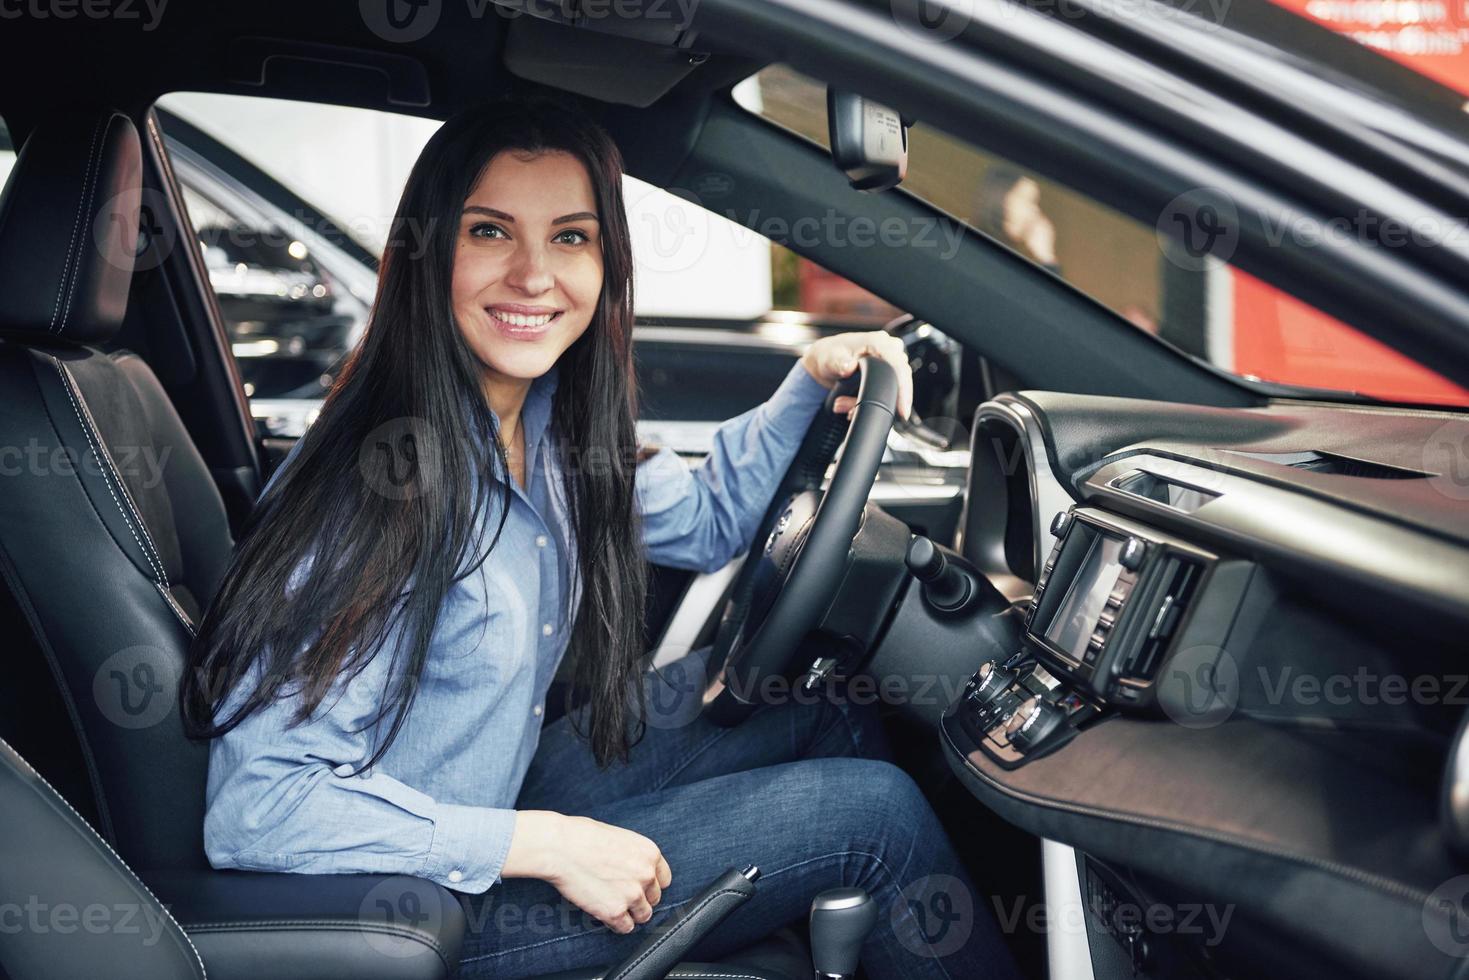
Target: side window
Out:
[1205,307]
[291,203]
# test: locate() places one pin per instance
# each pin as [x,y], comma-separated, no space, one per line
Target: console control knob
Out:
[1133,550]
[1032,722]
[990,681]
[1060,523]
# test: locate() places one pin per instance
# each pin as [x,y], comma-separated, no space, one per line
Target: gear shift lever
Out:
[841,918]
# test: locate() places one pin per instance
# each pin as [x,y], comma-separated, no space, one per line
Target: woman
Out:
[1008,209]
[473,487]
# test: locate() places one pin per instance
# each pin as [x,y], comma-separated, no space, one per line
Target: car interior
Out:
[1180,649]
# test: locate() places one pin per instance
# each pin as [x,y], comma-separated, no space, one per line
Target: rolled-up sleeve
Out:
[282,798]
[700,517]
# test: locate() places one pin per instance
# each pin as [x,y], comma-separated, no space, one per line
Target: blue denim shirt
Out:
[440,802]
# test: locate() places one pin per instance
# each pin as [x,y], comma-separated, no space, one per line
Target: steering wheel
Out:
[799,557]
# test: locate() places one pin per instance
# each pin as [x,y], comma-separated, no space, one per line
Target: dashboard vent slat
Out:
[1180,576]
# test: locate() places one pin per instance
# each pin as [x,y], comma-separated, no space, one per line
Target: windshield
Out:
[1205,307]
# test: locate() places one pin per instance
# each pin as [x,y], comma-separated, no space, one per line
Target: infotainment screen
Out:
[1071,627]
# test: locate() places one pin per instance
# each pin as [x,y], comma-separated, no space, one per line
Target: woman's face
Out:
[1022,204]
[527,263]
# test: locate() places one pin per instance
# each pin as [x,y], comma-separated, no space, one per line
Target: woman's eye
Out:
[572,236]
[486,230]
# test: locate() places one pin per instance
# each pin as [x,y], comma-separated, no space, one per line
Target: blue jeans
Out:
[798,789]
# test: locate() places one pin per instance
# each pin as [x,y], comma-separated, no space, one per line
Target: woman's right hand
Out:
[610,873]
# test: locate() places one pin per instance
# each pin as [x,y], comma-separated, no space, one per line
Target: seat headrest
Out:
[69,228]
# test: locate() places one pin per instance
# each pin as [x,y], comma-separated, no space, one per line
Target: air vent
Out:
[1180,577]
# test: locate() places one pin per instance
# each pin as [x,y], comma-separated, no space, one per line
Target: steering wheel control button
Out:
[1133,551]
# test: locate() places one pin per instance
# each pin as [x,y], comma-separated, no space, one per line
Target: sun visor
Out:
[615,59]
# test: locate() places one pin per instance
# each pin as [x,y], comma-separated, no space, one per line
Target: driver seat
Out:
[113,539]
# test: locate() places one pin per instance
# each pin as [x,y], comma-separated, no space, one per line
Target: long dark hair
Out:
[385,552]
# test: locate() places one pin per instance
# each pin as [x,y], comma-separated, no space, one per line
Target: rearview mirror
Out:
[869,141]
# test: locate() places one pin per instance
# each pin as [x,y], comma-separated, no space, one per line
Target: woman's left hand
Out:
[833,358]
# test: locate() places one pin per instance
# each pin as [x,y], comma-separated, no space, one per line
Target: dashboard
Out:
[1232,676]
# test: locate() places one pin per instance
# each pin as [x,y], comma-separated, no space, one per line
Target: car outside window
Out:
[1204,307]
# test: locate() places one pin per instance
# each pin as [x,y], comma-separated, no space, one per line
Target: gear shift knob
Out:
[841,918]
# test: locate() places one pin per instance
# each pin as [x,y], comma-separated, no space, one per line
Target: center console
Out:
[1114,603]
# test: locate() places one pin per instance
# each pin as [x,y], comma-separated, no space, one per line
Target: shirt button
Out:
[456,875]
[547,629]
[540,540]
[536,711]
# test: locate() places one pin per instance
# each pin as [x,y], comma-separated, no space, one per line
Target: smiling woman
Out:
[526,284]
[470,507]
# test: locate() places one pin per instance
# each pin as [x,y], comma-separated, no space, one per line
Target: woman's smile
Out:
[525,323]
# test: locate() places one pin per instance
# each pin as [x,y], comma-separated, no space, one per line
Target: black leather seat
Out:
[113,538]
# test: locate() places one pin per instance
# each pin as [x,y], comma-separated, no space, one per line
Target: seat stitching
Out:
[177,609]
[66,266]
[121,863]
[663,939]
[669,907]
[66,385]
[126,494]
[301,925]
[86,431]
[76,274]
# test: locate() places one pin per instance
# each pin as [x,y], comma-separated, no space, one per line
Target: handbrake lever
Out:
[667,945]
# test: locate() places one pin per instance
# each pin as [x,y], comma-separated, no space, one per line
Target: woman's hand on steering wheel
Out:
[833,358]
